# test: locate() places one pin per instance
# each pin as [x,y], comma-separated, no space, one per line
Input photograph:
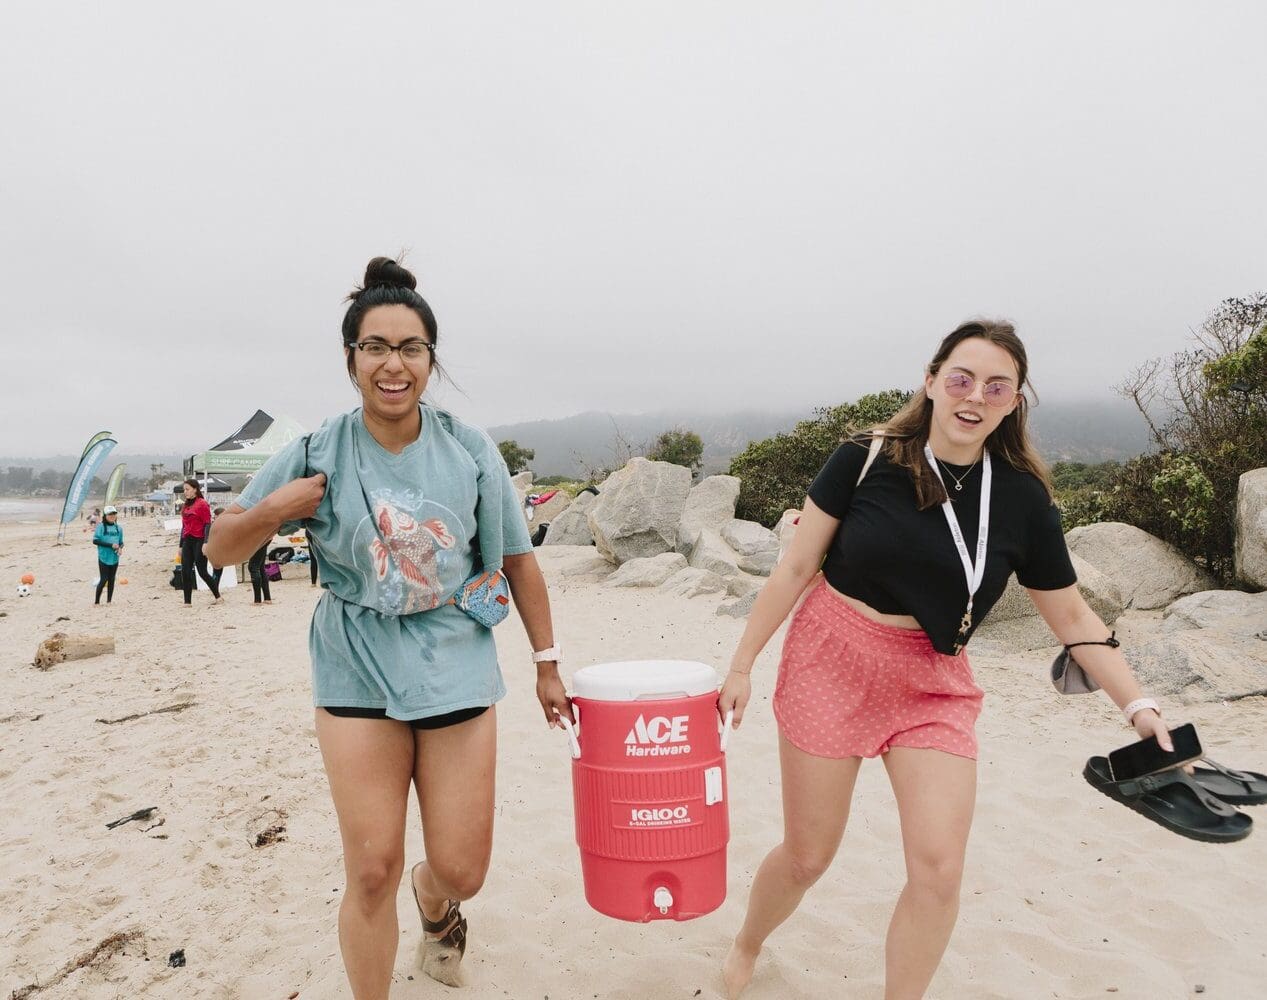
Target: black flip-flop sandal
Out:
[1173,800]
[1240,788]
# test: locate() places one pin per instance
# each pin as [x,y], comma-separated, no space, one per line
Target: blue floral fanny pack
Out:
[485,597]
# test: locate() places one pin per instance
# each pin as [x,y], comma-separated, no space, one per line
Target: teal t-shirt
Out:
[396,536]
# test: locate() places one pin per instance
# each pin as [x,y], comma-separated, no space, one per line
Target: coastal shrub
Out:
[1081,490]
[516,456]
[775,472]
[1206,410]
[678,447]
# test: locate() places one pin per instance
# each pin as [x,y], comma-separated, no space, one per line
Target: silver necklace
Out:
[959,479]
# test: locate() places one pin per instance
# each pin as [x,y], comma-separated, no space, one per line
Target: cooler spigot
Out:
[663,899]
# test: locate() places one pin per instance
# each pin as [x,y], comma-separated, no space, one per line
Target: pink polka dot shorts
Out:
[851,687]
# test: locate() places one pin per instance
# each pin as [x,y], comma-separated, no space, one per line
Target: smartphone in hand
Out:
[1147,757]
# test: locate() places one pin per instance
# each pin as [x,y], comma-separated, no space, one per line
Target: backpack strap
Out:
[877,442]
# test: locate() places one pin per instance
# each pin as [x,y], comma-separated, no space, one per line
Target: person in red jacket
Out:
[195,517]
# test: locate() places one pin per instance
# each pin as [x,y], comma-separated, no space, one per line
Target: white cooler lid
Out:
[644,680]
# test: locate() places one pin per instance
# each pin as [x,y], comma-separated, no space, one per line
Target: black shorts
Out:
[428,722]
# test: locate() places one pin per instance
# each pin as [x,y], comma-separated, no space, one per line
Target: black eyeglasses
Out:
[410,350]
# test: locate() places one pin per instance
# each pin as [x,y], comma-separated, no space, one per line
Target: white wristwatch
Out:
[555,653]
[1138,705]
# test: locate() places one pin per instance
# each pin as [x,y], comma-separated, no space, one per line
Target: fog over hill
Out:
[1086,432]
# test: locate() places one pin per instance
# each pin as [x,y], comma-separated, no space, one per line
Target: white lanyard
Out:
[972,573]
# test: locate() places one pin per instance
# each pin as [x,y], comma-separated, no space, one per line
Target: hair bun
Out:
[387,271]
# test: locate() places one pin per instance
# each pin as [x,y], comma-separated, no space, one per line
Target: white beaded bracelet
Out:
[1138,705]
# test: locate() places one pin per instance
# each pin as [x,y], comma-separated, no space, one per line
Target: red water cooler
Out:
[649,789]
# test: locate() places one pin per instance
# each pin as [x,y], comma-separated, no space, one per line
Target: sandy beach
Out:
[1067,895]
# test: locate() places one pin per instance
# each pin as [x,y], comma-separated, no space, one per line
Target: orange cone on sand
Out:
[28,578]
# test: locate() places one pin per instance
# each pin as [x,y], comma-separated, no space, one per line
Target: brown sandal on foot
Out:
[443,941]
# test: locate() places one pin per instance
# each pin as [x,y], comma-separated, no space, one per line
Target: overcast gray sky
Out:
[609,206]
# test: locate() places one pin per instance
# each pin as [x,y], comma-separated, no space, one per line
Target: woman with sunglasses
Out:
[405,504]
[917,528]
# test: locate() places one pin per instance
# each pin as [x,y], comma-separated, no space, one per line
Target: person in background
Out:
[108,538]
[195,518]
[259,579]
[312,557]
[217,572]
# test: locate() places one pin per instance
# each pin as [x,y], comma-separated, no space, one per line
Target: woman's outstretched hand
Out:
[736,689]
[1148,723]
[553,696]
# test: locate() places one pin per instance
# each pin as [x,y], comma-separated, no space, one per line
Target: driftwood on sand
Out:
[178,707]
[59,647]
[102,952]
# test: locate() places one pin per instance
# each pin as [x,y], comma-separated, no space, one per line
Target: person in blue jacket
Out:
[108,538]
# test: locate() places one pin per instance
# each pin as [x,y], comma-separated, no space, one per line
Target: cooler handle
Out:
[571,731]
[725,729]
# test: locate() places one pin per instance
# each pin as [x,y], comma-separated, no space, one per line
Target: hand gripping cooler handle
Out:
[725,729]
[571,731]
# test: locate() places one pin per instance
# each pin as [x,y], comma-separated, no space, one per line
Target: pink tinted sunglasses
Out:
[960,386]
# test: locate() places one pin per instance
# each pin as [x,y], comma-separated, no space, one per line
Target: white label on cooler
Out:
[712,786]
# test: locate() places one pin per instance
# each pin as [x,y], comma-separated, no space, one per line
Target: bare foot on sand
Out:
[736,971]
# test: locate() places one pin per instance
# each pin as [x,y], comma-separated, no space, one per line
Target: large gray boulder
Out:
[758,546]
[1148,572]
[739,608]
[649,572]
[692,582]
[1014,622]
[522,481]
[572,526]
[1231,611]
[1251,528]
[710,504]
[711,553]
[1200,665]
[639,509]
[742,584]
[572,560]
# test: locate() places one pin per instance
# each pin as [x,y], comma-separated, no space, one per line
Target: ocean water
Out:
[41,509]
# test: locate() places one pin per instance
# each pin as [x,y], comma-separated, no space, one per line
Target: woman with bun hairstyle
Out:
[195,518]
[405,502]
[917,528]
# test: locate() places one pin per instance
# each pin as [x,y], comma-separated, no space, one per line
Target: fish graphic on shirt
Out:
[412,546]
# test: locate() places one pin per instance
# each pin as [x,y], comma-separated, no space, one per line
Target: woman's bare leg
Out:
[454,774]
[369,763]
[936,793]
[816,796]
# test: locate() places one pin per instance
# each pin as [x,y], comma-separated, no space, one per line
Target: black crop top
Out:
[903,561]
